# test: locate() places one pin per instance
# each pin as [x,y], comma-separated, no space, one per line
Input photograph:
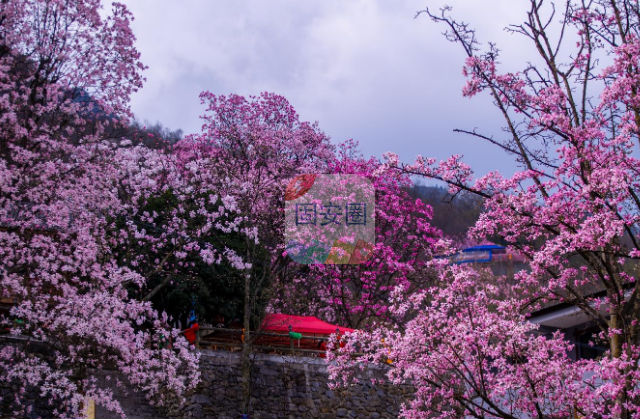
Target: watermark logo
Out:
[330,219]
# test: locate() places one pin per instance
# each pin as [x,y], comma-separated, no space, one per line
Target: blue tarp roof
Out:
[483,247]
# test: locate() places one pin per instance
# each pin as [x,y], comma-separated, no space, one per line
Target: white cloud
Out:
[364,69]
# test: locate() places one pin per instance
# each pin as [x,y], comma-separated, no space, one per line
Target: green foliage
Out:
[213,292]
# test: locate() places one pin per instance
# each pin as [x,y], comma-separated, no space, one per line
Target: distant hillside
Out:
[453,215]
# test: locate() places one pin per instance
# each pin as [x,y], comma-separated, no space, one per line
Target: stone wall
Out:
[282,387]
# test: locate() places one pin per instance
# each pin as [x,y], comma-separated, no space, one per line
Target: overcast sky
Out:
[366,70]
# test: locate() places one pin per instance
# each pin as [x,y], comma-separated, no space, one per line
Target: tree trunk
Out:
[246,347]
[616,351]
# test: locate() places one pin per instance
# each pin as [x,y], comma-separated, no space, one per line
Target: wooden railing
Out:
[210,342]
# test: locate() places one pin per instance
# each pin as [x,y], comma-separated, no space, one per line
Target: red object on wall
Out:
[300,324]
[191,333]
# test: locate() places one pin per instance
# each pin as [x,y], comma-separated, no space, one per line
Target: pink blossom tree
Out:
[66,72]
[468,351]
[356,295]
[250,148]
[572,121]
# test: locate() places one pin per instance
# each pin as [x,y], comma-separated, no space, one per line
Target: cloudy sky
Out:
[364,69]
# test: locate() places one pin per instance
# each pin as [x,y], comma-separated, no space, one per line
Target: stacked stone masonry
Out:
[282,387]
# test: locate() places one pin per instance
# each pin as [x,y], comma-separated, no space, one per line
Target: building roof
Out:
[300,324]
[483,247]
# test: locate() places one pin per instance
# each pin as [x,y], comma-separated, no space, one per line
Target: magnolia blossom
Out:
[405,242]
[469,352]
[68,193]
[572,126]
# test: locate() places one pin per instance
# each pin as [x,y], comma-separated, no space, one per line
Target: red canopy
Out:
[191,332]
[300,324]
